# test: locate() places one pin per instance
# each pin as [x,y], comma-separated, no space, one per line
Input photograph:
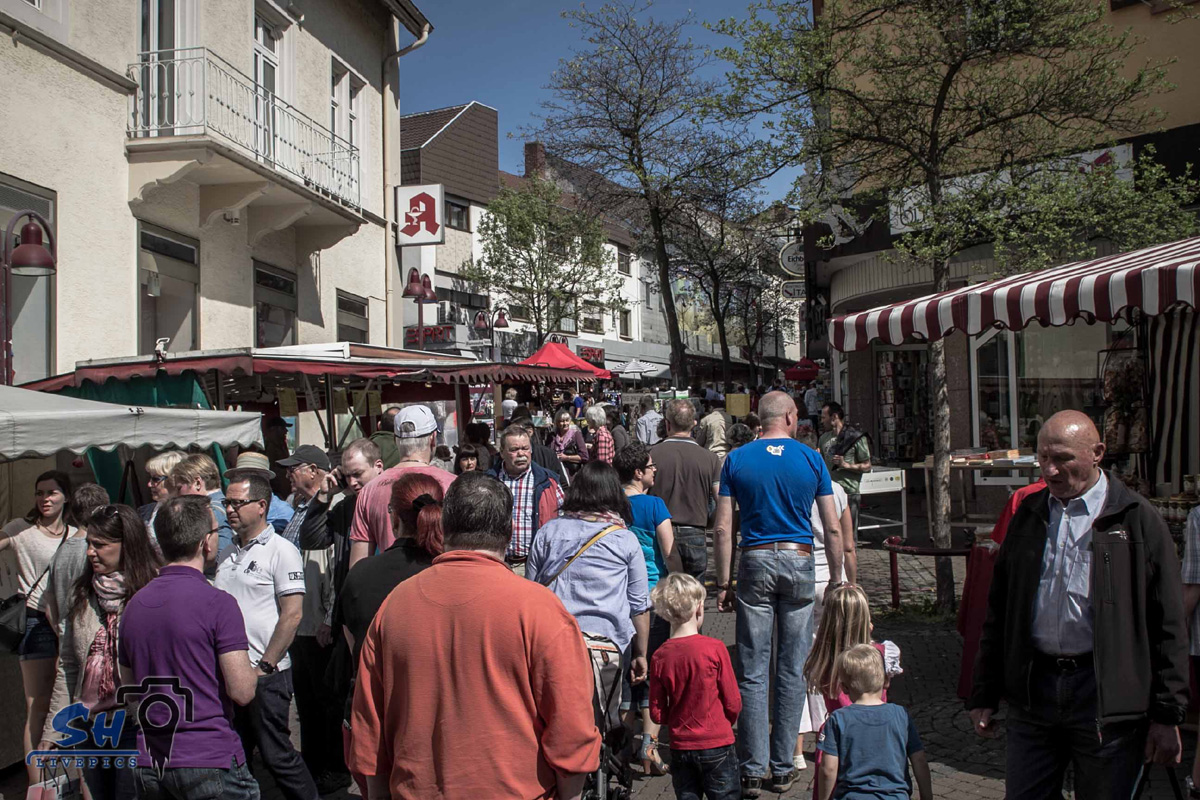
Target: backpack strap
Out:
[582,550]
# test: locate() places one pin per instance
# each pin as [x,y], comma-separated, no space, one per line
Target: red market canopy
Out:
[1152,280]
[803,370]
[352,362]
[553,355]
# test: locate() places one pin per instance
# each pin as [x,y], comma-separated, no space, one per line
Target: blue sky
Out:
[502,52]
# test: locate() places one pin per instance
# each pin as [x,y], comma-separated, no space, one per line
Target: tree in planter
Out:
[935,105]
[541,256]
[632,112]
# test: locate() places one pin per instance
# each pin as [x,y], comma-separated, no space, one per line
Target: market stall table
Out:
[885,481]
[1029,471]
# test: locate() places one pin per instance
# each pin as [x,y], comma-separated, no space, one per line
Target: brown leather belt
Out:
[515,559]
[803,548]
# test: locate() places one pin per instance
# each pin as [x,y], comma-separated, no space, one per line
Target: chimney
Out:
[535,160]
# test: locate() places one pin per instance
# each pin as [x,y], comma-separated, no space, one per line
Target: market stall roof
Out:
[37,424]
[803,370]
[1152,280]
[558,356]
[338,359]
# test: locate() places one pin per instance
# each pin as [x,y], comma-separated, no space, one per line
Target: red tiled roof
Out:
[417,129]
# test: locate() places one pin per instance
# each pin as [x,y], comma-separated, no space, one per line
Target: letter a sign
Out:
[419,215]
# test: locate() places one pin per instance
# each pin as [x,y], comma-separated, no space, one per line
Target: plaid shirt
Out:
[605,449]
[522,513]
[292,531]
[1191,571]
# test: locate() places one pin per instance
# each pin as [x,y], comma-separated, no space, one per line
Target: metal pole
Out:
[331,427]
[420,324]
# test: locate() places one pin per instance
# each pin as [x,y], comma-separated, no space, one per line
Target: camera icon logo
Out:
[162,703]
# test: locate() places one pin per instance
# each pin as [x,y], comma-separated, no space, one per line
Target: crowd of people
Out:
[435,626]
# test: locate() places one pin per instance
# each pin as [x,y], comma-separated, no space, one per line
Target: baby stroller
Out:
[614,779]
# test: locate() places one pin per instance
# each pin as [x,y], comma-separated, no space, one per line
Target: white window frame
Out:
[352,320]
[150,262]
[345,103]
[277,298]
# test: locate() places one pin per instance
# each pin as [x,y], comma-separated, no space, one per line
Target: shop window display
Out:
[904,406]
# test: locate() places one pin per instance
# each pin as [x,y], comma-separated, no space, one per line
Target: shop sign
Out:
[437,337]
[592,355]
[793,290]
[791,259]
[908,207]
[420,214]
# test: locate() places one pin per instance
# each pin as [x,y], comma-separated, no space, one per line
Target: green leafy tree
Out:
[943,107]
[543,256]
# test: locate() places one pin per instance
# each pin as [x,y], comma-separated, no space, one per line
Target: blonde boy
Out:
[865,746]
[694,692]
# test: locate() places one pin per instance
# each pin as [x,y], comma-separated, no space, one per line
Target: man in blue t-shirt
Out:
[774,482]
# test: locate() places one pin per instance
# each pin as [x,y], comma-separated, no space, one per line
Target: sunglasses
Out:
[104,512]
[236,505]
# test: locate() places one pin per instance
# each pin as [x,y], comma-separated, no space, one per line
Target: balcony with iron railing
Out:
[192,92]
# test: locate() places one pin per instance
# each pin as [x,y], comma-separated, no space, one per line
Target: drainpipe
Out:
[391,142]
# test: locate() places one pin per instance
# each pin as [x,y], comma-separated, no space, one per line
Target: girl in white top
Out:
[34,539]
[813,714]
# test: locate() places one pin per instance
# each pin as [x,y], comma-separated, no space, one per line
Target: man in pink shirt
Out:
[416,437]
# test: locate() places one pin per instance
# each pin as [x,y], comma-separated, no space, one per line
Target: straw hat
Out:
[253,461]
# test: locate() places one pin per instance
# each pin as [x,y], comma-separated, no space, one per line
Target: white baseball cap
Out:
[420,419]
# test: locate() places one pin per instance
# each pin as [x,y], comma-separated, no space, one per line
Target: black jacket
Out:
[1140,637]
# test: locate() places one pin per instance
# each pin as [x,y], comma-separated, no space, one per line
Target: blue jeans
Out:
[775,589]
[692,545]
[705,773]
[1060,728]
[197,783]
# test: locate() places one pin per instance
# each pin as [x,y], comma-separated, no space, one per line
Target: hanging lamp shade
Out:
[501,320]
[31,258]
[414,287]
[481,322]
[427,292]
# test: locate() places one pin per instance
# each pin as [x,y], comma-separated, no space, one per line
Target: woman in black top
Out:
[416,513]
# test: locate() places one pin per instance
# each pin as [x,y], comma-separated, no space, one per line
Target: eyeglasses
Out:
[293,469]
[236,505]
[156,479]
[651,465]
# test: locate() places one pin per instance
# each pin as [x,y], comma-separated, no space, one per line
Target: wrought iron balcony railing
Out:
[191,91]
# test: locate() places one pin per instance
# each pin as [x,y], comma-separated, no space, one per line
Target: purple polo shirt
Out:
[177,626]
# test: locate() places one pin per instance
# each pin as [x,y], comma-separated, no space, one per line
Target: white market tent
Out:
[42,424]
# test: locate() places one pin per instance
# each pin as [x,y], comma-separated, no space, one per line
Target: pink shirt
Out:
[371,521]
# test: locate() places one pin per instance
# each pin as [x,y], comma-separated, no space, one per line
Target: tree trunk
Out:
[726,358]
[678,357]
[939,515]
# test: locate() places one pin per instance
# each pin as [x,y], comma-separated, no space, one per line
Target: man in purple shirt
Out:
[183,655]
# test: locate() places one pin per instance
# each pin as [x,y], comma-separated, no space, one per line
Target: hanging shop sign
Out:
[791,259]
[420,214]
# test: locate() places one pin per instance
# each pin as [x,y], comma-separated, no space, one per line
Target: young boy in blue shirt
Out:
[865,746]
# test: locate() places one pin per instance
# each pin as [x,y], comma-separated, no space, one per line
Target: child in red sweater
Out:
[694,692]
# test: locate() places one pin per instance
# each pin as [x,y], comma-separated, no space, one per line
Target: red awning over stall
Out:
[342,360]
[558,356]
[1152,280]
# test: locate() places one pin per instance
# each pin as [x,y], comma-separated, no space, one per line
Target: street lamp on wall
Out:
[489,321]
[31,259]
[420,288]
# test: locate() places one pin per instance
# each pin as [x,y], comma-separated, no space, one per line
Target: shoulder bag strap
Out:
[582,550]
[66,530]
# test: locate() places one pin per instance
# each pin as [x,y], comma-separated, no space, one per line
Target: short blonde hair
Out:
[676,597]
[197,465]
[860,670]
[510,394]
[162,464]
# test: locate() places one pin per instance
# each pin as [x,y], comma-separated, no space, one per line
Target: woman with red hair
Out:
[415,509]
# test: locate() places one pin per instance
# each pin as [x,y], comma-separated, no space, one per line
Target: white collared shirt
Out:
[1062,612]
[257,575]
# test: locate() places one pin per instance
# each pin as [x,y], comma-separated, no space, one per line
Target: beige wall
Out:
[1165,36]
[96,234]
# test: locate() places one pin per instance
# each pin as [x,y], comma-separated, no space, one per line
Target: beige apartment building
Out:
[216,172]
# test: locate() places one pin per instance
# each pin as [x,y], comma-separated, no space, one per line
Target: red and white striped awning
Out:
[1152,280]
